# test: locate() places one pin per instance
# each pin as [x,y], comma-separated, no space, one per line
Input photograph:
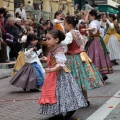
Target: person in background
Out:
[42,21]
[27,30]
[87,6]
[14,31]
[112,39]
[31,75]
[57,22]
[21,11]
[83,24]
[96,48]
[3,45]
[18,24]
[103,23]
[17,15]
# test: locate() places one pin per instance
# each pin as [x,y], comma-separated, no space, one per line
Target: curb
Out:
[4,73]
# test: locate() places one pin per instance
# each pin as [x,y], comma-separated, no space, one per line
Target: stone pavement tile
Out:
[115,114]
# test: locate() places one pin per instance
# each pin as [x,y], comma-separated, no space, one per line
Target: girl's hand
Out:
[47,70]
[44,58]
[40,50]
[31,49]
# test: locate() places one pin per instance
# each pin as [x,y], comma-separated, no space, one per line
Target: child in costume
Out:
[112,39]
[60,93]
[83,24]
[31,75]
[96,48]
[83,70]
[57,22]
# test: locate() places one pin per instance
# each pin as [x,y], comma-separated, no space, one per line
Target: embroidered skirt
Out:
[96,52]
[28,77]
[84,71]
[113,47]
[68,95]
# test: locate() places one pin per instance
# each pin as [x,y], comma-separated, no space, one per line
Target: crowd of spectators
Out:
[14,30]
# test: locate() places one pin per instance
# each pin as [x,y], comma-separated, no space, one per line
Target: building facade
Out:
[107,6]
[40,8]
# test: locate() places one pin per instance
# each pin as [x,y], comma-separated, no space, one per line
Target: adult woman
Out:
[96,48]
[112,39]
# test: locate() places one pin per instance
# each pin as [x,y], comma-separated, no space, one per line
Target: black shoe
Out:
[56,117]
[115,63]
[88,103]
[69,115]
[105,78]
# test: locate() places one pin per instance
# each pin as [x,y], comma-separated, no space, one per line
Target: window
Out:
[17,2]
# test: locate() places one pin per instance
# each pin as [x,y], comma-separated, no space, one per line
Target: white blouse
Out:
[69,38]
[110,24]
[96,25]
[60,59]
[23,39]
[31,57]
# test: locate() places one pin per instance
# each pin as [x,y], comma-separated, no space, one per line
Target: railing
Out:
[39,14]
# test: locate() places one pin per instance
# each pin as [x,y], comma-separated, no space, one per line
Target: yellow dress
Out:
[111,32]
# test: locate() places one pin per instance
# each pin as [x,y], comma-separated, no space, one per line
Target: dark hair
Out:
[21,3]
[40,20]
[72,20]
[94,13]
[40,26]
[57,34]
[17,15]
[102,15]
[98,16]
[57,13]
[86,2]
[112,16]
[2,10]
[30,37]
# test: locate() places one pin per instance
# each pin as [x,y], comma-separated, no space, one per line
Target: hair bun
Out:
[62,35]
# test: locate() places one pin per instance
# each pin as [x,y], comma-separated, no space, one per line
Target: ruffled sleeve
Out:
[93,24]
[110,24]
[68,39]
[60,59]
[54,21]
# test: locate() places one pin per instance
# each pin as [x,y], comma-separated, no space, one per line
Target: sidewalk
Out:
[6,69]
[4,73]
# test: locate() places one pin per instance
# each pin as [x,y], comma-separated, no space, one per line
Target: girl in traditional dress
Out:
[57,22]
[31,75]
[83,24]
[96,48]
[84,72]
[60,93]
[112,39]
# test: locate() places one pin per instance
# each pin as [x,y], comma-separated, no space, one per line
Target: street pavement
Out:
[15,104]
